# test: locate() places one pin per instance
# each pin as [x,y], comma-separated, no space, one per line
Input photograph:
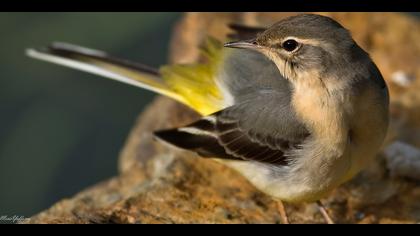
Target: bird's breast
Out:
[323,112]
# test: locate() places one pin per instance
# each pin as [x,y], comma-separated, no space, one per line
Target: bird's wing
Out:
[259,124]
[242,132]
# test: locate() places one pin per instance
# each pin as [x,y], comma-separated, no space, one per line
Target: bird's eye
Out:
[290,45]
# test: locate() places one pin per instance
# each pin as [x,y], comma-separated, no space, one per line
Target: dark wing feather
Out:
[222,135]
[204,145]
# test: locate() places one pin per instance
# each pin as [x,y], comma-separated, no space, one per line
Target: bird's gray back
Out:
[262,97]
[246,73]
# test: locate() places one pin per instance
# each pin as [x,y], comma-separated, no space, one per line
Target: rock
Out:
[160,184]
[403,160]
[402,79]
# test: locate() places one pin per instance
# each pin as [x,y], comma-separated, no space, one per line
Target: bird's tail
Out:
[103,64]
[193,85]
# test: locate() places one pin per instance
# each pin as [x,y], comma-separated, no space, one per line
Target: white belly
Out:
[308,180]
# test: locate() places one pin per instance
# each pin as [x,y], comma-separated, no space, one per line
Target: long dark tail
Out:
[103,64]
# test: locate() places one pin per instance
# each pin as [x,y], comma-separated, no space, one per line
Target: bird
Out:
[298,108]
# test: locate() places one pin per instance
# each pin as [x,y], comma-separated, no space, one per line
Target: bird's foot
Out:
[324,213]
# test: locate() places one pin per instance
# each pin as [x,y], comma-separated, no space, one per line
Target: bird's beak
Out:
[248,44]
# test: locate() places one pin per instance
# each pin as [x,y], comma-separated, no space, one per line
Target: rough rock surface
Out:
[158,184]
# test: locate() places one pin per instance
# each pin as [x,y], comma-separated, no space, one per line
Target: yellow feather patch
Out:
[196,83]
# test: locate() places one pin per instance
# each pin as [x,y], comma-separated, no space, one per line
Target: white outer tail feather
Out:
[98,70]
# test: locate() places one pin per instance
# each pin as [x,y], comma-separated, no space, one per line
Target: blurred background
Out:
[61,130]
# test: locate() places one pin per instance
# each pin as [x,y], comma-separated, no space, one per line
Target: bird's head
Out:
[305,44]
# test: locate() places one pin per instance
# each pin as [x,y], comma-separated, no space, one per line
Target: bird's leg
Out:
[283,215]
[324,213]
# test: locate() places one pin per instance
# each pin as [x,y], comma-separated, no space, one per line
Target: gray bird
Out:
[298,110]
